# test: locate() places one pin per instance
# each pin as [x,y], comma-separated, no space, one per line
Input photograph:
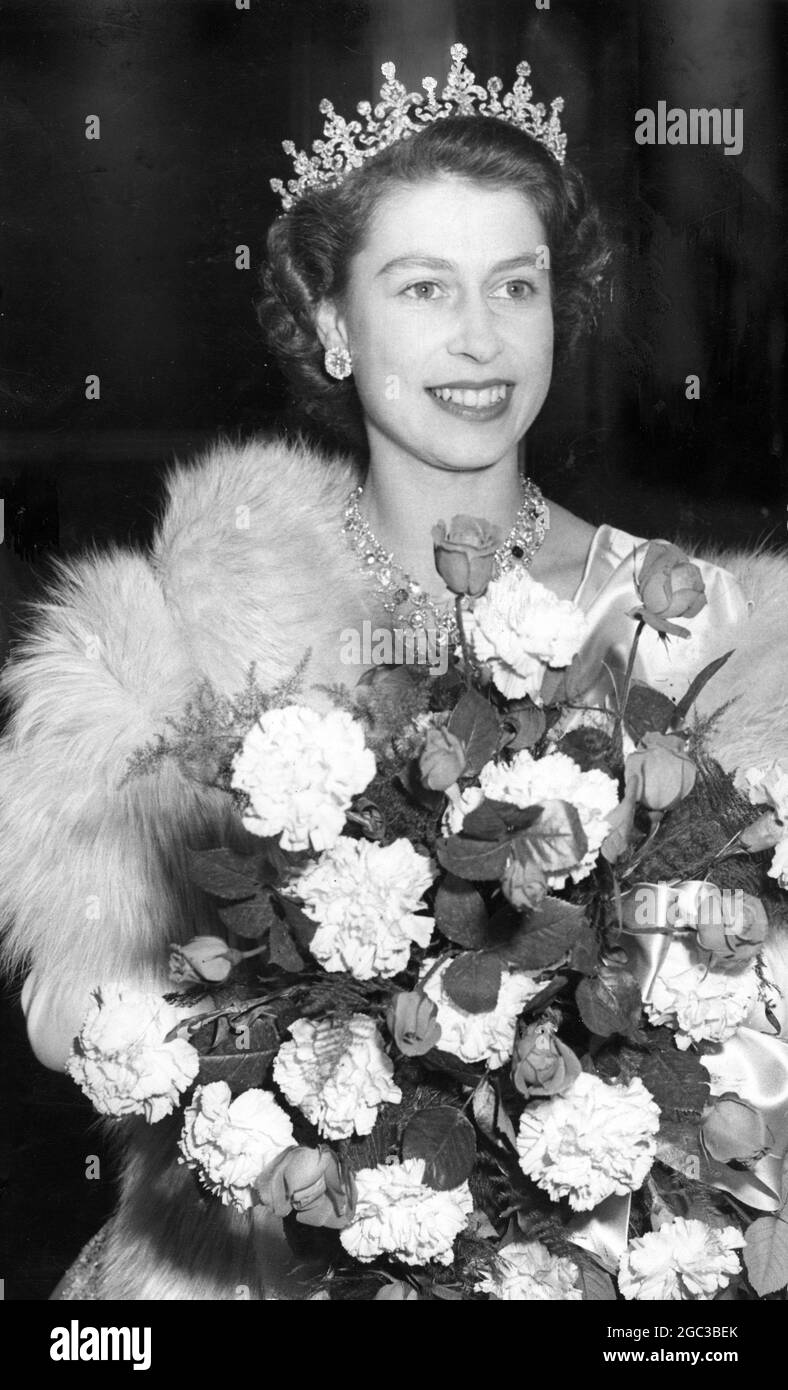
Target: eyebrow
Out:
[437,263]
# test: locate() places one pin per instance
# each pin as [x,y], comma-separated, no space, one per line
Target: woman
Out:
[419,292]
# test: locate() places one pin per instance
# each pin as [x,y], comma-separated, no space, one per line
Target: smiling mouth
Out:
[477,403]
[472,398]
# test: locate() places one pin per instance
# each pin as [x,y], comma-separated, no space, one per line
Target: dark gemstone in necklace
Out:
[518,552]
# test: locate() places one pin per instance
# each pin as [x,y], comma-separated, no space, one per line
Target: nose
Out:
[475,333]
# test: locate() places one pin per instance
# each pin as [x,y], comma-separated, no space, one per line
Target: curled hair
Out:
[310,248]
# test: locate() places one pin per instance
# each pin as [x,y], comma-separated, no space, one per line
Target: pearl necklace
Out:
[407,602]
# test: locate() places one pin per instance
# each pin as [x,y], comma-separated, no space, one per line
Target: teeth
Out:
[472,399]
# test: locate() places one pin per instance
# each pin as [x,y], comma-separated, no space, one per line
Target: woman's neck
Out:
[403,499]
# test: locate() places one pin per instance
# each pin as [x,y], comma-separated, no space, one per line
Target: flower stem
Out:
[622,704]
[466,655]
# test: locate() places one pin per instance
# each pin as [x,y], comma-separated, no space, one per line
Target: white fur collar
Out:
[252,562]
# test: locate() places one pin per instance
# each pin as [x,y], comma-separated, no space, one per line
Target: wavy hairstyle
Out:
[310,248]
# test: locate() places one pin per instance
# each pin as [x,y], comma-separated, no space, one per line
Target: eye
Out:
[423,289]
[514,289]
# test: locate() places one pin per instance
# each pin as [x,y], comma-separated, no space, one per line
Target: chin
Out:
[476,449]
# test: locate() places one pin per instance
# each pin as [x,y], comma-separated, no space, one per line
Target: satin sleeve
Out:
[607,595]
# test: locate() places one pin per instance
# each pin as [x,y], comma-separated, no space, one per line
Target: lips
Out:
[481,401]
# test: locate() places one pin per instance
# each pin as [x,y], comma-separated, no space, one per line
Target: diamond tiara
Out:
[400,114]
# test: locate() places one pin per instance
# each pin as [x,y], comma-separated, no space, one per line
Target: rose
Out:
[660,773]
[541,1064]
[442,759]
[525,885]
[465,553]
[412,1020]
[732,1129]
[396,1291]
[669,586]
[736,928]
[202,958]
[310,1183]
[764,833]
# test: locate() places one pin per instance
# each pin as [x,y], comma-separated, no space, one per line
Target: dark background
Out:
[119,259]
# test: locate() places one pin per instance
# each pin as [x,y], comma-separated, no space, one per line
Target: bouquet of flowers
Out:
[484,970]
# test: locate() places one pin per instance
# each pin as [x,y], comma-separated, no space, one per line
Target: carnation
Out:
[364,897]
[529,781]
[337,1073]
[397,1214]
[484,1037]
[520,628]
[702,1002]
[229,1142]
[684,1259]
[301,770]
[595,1140]
[121,1057]
[525,1270]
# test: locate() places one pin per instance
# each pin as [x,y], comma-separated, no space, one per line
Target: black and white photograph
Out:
[394,661]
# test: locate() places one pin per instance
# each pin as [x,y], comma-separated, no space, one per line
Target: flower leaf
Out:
[251,918]
[281,948]
[474,721]
[243,1057]
[766,1254]
[223,873]
[546,936]
[677,1080]
[302,927]
[703,677]
[460,913]
[492,835]
[446,1141]
[473,981]
[585,950]
[466,1072]
[609,1002]
[648,711]
[557,841]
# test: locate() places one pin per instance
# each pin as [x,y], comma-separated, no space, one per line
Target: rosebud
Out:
[465,553]
[310,1183]
[670,586]
[397,1291]
[202,958]
[442,759]
[412,1020]
[541,1064]
[660,772]
[732,1129]
[740,930]
[764,833]
[525,885]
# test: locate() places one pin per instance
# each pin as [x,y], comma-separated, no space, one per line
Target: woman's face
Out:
[449,321]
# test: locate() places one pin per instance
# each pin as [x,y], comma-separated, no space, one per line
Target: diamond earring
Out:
[338,363]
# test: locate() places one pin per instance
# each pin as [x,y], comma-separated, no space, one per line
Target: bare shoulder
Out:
[561,561]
